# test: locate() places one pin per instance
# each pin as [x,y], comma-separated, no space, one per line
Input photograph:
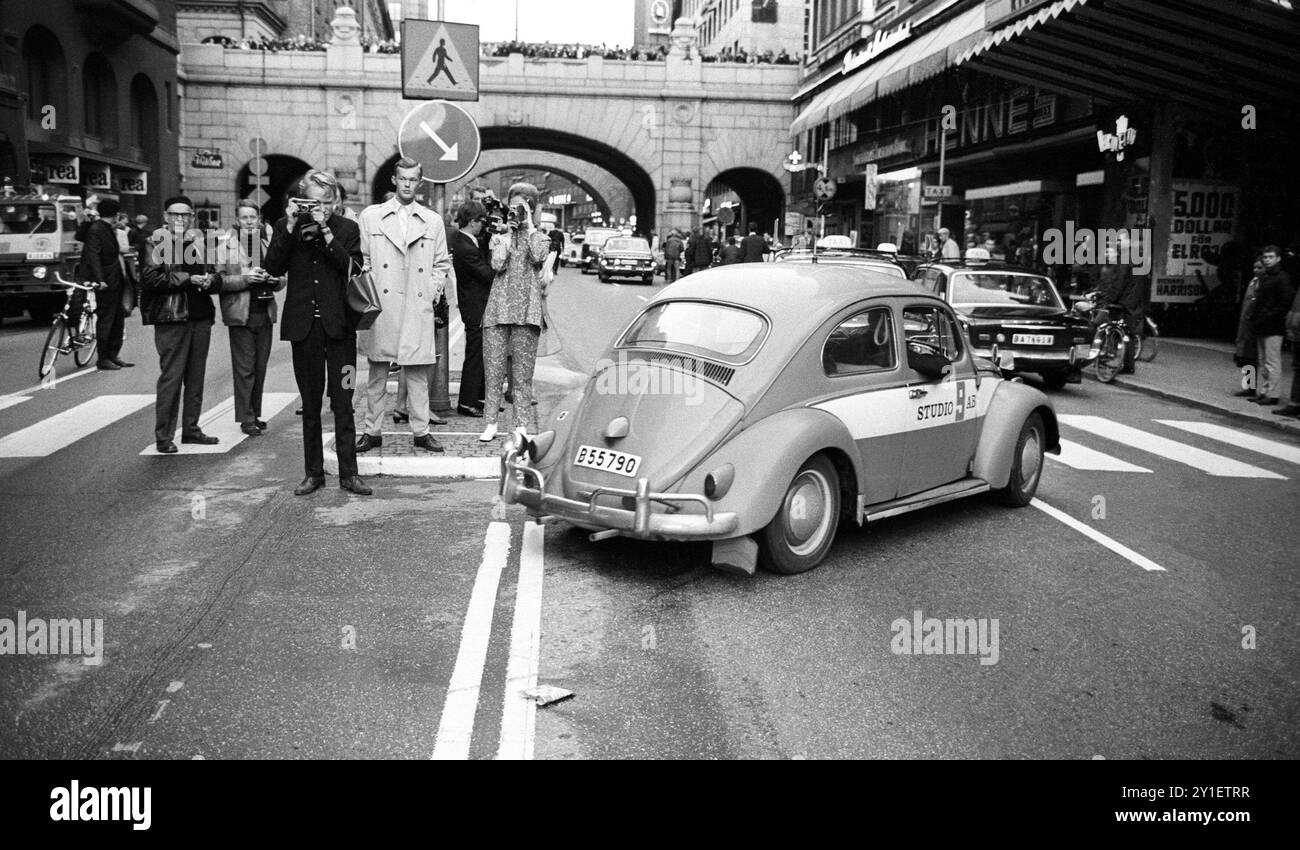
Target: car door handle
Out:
[916,392]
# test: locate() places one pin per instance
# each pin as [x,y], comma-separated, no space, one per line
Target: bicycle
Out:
[80,341]
[1109,339]
[1146,343]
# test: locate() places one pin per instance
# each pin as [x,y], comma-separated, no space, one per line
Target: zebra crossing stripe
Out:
[1082,457]
[1272,448]
[11,400]
[63,429]
[1209,462]
[220,422]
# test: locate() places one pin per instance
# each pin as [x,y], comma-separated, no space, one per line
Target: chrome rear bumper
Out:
[639,523]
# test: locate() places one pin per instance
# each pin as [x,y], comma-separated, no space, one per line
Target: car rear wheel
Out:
[648,280]
[1026,464]
[604,278]
[801,533]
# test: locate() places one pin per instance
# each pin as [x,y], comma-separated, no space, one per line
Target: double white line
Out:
[456,728]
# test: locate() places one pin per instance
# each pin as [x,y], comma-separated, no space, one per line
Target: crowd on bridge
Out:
[299,43]
[547,50]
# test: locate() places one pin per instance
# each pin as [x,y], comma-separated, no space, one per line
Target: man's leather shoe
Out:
[399,417]
[1289,410]
[167,447]
[435,419]
[250,429]
[200,438]
[366,442]
[122,363]
[1245,394]
[1128,371]
[1267,402]
[428,443]
[260,424]
[467,410]
[354,484]
[309,484]
[107,366]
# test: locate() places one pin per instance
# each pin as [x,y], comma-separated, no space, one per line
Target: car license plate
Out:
[40,255]
[620,463]
[1031,339]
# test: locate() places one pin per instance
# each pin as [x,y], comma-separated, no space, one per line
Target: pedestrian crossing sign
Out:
[439,60]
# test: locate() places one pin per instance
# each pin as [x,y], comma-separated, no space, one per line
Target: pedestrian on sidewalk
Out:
[753,246]
[732,252]
[248,311]
[1268,323]
[1293,334]
[1247,352]
[178,303]
[699,251]
[318,248]
[512,321]
[474,278]
[404,245]
[101,263]
[672,248]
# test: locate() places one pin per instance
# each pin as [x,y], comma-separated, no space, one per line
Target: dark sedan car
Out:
[626,256]
[1014,317]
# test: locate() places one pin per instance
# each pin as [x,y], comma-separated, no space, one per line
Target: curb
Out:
[421,467]
[1277,424]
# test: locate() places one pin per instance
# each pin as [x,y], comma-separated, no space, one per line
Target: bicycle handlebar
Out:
[90,287]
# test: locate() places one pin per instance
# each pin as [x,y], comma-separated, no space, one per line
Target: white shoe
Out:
[489,433]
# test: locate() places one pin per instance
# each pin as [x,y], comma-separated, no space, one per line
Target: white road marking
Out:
[162,706]
[1272,448]
[220,422]
[11,400]
[519,714]
[643,298]
[174,687]
[81,373]
[457,724]
[1082,457]
[128,748]
[1217,465]
[1090,532]
[63,429]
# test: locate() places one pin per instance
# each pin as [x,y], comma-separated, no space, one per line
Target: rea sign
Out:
[63,170]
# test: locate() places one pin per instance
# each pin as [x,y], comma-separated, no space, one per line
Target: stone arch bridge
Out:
[664,130]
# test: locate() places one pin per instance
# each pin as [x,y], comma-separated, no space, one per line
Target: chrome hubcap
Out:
[1030,458]
[806,511]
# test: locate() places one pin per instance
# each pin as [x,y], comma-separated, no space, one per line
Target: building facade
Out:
[89,99]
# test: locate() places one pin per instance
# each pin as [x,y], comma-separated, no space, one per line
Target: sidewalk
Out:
[465,456]
[1200,373]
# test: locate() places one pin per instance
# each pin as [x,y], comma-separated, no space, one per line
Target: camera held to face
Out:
[309,230]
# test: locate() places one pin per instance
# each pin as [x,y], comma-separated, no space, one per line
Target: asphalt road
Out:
[240,621]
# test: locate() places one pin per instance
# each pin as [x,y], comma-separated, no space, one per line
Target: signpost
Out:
[439,60]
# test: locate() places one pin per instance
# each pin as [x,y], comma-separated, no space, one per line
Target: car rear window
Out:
[627,245]
[725,333]
[992,288]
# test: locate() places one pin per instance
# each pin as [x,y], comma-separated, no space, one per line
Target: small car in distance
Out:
[593,240]
[1014,317]
[626,256]
[721,414]
[572,255]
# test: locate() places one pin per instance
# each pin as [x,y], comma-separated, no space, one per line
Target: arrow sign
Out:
[451,152]
[443,137]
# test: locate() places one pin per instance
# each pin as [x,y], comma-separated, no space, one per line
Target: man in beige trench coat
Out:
[405,248]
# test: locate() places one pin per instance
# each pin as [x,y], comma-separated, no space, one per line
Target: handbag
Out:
[363,299]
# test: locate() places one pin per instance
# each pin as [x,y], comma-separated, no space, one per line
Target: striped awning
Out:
[922,57]
[1216,54]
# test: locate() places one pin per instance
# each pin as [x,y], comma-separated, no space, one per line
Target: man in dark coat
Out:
[1268,322]
[753,246]
[1120,286]
[319,250]
[474,278]
[699,252]
[672,248]
[732,252]
[101,262]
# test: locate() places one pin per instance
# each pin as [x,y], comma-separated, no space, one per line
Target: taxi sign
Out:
[937,193]
[439,60]
[443,137]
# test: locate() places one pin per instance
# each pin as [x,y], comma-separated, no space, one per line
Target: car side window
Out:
[934,326]
[863,342]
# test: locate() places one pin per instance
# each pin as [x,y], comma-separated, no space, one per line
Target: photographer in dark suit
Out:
[100,262]
[318,249]
[474,278]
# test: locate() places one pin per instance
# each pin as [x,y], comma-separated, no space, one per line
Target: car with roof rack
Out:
[865,258]
[1014,317]
[757,406]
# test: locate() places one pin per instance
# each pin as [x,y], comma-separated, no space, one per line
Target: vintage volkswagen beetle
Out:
[756,406]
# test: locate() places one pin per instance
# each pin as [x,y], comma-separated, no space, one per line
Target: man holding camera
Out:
[318,249]
[404,245]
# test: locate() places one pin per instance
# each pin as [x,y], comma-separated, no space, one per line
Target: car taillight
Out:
[718,482]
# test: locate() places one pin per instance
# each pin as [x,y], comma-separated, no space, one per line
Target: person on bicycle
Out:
[1119,286]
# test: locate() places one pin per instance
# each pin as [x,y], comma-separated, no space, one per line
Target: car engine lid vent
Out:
[714,372]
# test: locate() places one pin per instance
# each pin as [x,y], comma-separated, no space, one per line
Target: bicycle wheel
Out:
[54,341]
[1111,358]
[86,331]
[1148,347]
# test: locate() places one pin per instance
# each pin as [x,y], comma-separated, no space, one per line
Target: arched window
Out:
[45,71]
[99,86]
[144,118]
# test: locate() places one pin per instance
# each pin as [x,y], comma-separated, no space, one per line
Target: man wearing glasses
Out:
[178,303]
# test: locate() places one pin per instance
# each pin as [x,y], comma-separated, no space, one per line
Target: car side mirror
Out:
[927,360]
